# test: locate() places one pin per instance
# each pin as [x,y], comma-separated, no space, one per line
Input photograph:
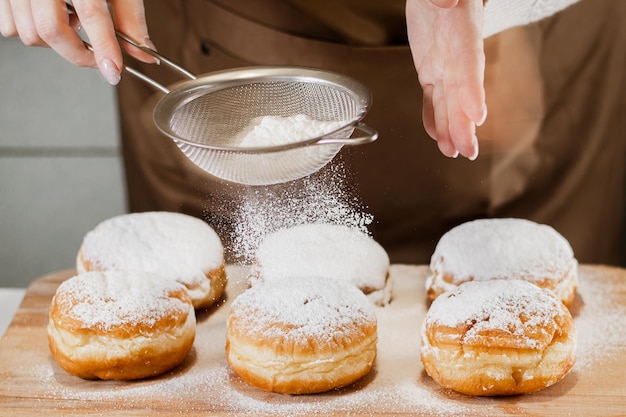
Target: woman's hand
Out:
[447,46]
[48,23]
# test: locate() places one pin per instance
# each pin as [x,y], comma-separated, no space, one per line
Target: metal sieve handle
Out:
[161,59]
[156,55]
[371,135]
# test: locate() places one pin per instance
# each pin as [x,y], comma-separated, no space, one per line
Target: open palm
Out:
[447,46]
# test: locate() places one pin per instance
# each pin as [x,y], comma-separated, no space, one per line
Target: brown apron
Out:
[552,150]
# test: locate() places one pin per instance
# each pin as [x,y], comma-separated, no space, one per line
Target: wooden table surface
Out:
[33,384]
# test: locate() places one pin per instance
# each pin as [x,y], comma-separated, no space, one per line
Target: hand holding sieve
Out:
[205,115]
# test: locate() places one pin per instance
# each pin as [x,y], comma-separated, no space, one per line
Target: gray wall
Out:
[60,165]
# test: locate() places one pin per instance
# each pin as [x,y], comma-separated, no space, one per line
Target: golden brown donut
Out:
[120,325]
[509,248]
[175,245]
[498,337]
[326,250]
[301,335]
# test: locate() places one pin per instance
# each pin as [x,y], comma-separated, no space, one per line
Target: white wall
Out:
[60,165]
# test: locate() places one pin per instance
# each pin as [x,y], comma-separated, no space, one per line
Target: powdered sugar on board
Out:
[600,318]
[205,385]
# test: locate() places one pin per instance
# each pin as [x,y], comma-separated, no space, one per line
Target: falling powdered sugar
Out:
[247,214]
[320,198]
[599,314]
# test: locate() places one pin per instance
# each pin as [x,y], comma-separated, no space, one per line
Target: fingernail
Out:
[148,42]
[474,155]
[455,154]
[110,71]
[483,117]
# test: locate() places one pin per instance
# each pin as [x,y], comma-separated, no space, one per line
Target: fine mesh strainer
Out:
[206,115]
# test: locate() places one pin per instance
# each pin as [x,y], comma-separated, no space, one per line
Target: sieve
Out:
[206,114]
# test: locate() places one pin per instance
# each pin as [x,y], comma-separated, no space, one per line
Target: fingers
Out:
[446,122]
[462,129]
[55,29]
[471,90]
[98,25]
[48,23]
[45,23]
[440,114]
[447,46]
[428,112]
[130,18]
[466,99]
[470,57]
[7,24]
[23,24]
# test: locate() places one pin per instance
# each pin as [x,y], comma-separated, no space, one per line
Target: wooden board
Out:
[33,384]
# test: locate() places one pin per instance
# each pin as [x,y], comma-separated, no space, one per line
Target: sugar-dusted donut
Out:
[498,337]
[325,250]
[174,245]
[120,325]
[301,335]
[508,248]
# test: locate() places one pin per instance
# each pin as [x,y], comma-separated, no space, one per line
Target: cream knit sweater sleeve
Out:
[504,14]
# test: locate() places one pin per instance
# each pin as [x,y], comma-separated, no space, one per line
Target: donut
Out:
[175,245]
[120,325]
[507,248]
[325,250]
[301,335]
[498,337]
